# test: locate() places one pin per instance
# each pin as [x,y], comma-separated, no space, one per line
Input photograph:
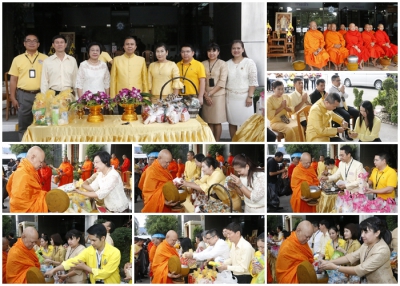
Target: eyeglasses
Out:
[31,41]
[208,238]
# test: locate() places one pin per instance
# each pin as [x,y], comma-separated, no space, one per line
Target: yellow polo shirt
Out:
[383,179]
[20,68]
[105,57]
[127,72]
[193,71]
[192,172]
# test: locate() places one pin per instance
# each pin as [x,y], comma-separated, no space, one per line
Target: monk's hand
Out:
[170,203]
[222,267]
[173,275]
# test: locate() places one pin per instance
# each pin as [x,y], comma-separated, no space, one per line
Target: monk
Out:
[164,251]
[24,188]
[342,30]
[65,172]
[328,29]
[369,39]
[114,161]
[382,39]
[314,164]
[126,164]
[5,255]
[302,173]
[335,46]
[230,158]
[314,52]
[152,181]
[22,256]
[355,45]
[173,168]
[294,250]
[87,169]
[181,169]
[156,240]
[45,174]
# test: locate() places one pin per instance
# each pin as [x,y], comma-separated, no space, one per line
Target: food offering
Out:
[77,203]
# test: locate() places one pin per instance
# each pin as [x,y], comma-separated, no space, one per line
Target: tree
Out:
[273,222]
[23,148]
[6,225]
[93,149]
[314,150]
[173,148]
[271,149]
[358,94]
[214,148]
[161,224]
[122,237]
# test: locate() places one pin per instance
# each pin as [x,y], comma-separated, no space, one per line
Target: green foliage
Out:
[358,97]
[173,148]
[122,237]
[314,150]
[196,230]
[380,99]
[93,149]
[216,148]
[6,225]
[391,221]
[23,148]
[388,98]
[272,222]
[100,220]
[161,224]
[271,149]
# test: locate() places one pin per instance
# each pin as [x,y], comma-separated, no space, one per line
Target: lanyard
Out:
[184,75]
[33,60]
[211,67]
[98,255]
[377,179]
[346,173]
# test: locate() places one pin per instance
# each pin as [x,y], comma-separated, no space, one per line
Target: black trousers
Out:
[271,137]
[375,140]
[351,111]
[336,139]
[243,279]
[306,83]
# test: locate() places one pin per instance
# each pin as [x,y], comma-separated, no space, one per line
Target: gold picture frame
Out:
[70,36]
[282,21]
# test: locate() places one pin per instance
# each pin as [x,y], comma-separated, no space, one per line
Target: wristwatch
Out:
[250,96]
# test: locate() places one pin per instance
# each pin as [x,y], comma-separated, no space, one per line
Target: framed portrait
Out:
[282,21]
[70,36]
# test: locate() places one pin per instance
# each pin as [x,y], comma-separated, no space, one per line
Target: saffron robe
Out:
[314,165]
[5,255]
[290,255]
[381,39]
[376,51]
[173,168]
[220,159]
[115,163]
[20,259]
[353,38]
[336,55]
[314,40]
[124,168]
[45,178]
[181,170]
[87,170]
[152,252]
[151,183]
[25,191]
[160,262]
[342,32]
[67,174]
[302,174]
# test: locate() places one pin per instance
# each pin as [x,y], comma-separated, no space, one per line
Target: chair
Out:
[306,111]
[7,97]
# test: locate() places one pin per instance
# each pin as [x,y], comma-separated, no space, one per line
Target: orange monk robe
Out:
[160,262]
[220,159]
[336,55]
[87,168]
[25,191]
[291,254]
[115,163]
[353,38]
[230,160]
[314,165]
[181,170]
[19,260]
[381,39]
[375,51]
[151,183]
[67,174]
[5,254]
[301,174]
[313,41]
[173,168]
[342,32]
[45,177]
[124,168]
[152,252]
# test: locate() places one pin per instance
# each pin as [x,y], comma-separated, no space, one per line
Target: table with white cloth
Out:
[112,129]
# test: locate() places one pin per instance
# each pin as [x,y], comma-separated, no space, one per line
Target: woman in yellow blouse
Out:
[351,235]
[162,71]
[334,243]
[278,108]
[58,250]
[45,247]
[367,125]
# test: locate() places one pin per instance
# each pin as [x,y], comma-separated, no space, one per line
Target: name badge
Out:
[32,73]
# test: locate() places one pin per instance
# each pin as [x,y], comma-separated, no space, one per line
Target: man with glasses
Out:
[319,126]
[343,109]
[383,179]
[24,187]
[348,171]
[303,177]
[192,70]
[25,75]
[218,249]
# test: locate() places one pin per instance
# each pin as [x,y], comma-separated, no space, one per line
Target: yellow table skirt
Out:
[326,203]
[112,130]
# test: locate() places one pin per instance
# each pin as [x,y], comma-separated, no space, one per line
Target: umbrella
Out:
[152,154]
[295,155]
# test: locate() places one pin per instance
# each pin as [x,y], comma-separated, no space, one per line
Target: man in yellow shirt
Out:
[192,70]
[128,70]
[321,165]
[383,178]
[25,74]
[192,171]
[100,260]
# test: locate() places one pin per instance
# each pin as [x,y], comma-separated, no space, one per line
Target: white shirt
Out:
[110,188]
[219,251]
[348,172]
[256,203]
[323,241]
[316,240]
[295,99]
[240,257]
[93,77]
[334,89]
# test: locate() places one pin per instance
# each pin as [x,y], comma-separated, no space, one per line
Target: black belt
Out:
[58,92]
[29,91]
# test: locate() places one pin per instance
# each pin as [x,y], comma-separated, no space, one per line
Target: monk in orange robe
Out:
[151,183]
[24,188]
[45,174]
[382,39]
[173,168]
[219,158]
[293,251]
[302,173]
[125,167]
[156,240]
[114,161]
[5,255]
[22,256]
[329,28]
[355,45]
[87,169]
[65,172]
[314,52]
[342,30]
[314,164]
[163,253]
[369,39]
[335,46]
[181,169]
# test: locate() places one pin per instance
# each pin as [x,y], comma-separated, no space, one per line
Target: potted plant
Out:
[129,100]
[94,102]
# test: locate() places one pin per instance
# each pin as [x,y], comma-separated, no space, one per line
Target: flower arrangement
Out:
[133,96]
[89,99]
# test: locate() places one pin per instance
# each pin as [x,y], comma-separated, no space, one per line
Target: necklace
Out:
[72,252]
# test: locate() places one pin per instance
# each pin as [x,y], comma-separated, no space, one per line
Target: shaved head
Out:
[313,25]
[29,237]
[171,237]
[304,231]
[305,160]
[352,27]
[5,244]
[36,156]
[164,158]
